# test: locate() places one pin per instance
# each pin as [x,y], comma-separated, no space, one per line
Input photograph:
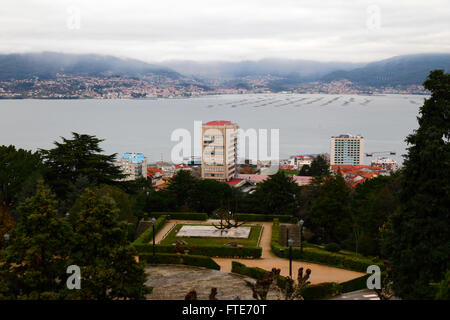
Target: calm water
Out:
[306,122]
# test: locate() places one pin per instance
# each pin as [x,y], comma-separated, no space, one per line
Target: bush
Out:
[147,235]
[191,260]
[181,215]
[332,247]
[253,217]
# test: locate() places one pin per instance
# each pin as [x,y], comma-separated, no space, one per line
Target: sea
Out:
[305,122]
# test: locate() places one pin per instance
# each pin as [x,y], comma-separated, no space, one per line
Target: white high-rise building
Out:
[219,150]
[347,149]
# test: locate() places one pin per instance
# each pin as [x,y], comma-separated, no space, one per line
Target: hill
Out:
[400,70]
[47,65]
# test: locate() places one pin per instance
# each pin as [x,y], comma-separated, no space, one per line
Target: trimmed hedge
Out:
[210,251]
[313,254]
[253,217]
[190,260]
[320,291]
[181,215]
[147,235]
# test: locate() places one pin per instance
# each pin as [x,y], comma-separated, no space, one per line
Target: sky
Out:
[227,30]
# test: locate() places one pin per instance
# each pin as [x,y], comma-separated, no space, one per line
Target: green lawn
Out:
[252,240]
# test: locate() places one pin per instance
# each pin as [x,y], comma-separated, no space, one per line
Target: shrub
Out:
[332,247]
[191,260]
[181,215]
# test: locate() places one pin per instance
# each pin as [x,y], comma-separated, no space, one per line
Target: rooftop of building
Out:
[347,136]
[133,157]
[219,123]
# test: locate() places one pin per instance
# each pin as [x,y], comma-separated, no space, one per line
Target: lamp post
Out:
[290,242]
[300,224]
[154,252]
[287,233]
[6,237]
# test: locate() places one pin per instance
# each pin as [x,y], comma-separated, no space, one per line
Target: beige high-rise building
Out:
[133,166]
[347,149]
[219,150]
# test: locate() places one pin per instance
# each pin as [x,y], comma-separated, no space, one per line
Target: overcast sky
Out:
[150,30]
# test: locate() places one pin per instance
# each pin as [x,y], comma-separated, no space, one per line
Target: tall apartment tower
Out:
[133,166]
[347,149]
[219,150]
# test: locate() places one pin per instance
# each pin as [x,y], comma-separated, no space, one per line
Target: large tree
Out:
[34,264]
[319,167]
[18,169]
[181,187]
[78,160]
[420,235]
[331,210]
[374,201]
[278,194]
[109,269]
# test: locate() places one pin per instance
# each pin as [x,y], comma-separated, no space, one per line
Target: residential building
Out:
[133,165]
[347,150]
[387,164]
[355,175]
[219,150]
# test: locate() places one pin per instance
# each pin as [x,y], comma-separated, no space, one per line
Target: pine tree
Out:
[420,235]
[75,158]
[34,264]
[109,269]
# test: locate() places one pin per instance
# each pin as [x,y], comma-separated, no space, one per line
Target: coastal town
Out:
[346,158]
[160,86]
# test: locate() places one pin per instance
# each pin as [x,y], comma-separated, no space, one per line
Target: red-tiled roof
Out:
[219,123]
[233,182]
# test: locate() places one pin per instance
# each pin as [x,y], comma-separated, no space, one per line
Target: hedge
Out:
[313,254]
[253,217]
[181,215]
[210,251]
[190,260]
[320,291]
[147,235]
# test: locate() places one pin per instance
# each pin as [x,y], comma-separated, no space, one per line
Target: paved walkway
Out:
[364,294]
[173,282]
[319,273]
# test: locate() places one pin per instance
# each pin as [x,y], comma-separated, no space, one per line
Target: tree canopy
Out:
[419,238]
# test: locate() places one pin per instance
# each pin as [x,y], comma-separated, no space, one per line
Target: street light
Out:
[290,242]
[154,253]
[6,237]
[300,224]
